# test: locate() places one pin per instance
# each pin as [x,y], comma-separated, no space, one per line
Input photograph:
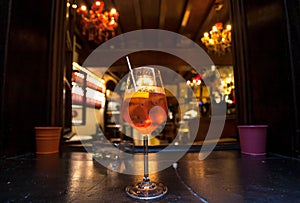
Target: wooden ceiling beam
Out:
[209,12]
[185,14]
[138,15]
[162,14]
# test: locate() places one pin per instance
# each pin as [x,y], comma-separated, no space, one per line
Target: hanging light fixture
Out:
[98,25]
[218,40]
[196,81]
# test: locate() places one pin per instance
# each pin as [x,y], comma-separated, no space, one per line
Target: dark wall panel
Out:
[26,94]
[266,77]
[269,71]
[4,21]
[293,18]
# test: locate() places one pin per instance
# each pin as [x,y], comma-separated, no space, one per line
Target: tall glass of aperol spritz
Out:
[145,109]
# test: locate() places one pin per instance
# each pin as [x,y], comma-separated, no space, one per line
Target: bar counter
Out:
[224,176]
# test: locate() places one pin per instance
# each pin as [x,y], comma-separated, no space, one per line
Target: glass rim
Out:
[145,67]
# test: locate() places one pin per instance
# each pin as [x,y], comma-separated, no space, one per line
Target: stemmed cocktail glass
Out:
[145,109]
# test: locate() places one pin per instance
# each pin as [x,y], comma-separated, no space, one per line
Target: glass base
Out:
[146,190]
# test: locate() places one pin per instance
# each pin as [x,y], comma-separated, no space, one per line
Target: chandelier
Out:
[218,40]
[97,25]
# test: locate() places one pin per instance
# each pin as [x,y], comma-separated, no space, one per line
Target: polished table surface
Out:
[225,176]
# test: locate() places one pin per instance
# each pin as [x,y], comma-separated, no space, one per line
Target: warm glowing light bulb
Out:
[214,29]
[228,27]
[74,6]
[113,11]
[83,8]
[112,22]
[206,34]
[98,3]
[228,80]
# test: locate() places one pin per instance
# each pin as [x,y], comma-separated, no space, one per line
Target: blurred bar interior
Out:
[252,44]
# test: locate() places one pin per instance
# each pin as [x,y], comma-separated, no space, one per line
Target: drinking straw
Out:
[131,73]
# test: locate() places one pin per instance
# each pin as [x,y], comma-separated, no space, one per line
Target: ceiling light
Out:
[185,18]
[218,40]
[98,25]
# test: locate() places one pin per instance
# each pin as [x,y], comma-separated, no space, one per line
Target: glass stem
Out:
[146,172]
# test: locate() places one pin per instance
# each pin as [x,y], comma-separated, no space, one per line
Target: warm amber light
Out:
[98,25]
[113,11]
[214,29]
[98,3]
[112,22]
[218,39]
[83,8]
